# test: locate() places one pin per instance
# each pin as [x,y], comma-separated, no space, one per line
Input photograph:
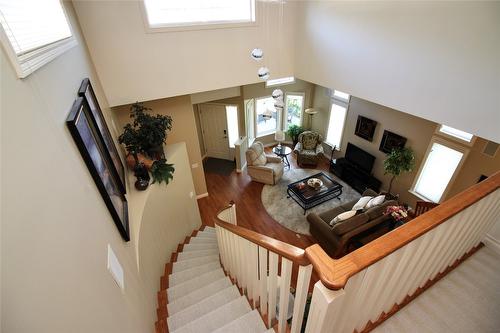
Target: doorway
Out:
[219,127]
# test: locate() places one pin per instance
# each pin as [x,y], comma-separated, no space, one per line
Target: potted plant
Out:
[294,132]
[144,139]
[147,132]
[397,162]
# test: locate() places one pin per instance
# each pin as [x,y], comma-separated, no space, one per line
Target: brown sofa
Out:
[335,239]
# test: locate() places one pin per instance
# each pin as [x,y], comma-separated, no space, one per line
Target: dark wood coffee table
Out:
[308,197]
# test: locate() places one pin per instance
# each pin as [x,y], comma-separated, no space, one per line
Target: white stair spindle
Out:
[301,293]
[286,274]
[273,282]
[263,280]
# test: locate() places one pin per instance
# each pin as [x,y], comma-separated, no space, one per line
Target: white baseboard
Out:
[492,243]
[203,195]
[242,168]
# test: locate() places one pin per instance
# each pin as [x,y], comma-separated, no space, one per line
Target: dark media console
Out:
[355,169]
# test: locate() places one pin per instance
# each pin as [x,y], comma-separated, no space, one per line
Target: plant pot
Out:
[142,175]
[148,163]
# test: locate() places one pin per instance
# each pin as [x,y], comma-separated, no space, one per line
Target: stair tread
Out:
[198,295]
[205,306]
[187,287]
[191,263]
[199,246]
[208,234]
[217,317]
[250,322]
[198,240]
[188,274]
[182,256]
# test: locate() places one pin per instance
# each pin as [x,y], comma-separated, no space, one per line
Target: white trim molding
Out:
[492,243]
[242,168]
[203,195]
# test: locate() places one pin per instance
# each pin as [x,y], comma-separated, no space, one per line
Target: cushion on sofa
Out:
[378,200]
[354,222]
[379,210]
[361,203]
[342,217]
[329,215]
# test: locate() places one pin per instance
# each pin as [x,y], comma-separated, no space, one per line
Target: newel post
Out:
[325,306]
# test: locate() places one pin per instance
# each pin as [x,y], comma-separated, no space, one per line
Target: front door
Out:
[214,129]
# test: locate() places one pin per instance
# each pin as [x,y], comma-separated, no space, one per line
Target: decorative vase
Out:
[131,163]
[142,175]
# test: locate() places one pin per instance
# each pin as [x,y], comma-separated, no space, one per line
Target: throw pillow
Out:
[261,160]
[361,203]
[378,200]
[343,216]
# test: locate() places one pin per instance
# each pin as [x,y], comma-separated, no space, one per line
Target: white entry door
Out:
[214,128]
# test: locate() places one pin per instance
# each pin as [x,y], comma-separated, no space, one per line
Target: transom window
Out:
[175,13]
[456,133]
[33,33]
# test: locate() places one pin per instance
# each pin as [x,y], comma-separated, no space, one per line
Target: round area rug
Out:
[287,212]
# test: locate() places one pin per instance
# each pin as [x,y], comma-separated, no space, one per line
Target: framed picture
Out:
[94,153]
[87,92]
[391,141]
[365,128]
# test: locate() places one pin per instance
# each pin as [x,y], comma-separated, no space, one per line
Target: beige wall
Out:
[183,130]
[475,165]
[183,62]
[414,56]
[418,131]
[55,225]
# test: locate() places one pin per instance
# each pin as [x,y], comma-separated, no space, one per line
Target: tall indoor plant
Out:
[294,132]
[144,139]
[397,162]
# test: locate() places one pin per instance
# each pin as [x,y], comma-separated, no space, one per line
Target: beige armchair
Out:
[309,148]
[262,168]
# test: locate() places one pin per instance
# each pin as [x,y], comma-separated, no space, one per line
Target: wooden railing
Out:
[365,285]
[362,287]
[252,259]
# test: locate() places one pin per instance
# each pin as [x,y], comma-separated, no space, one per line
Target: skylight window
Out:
[456,133]
[33,33]
[175,13]
[280,81]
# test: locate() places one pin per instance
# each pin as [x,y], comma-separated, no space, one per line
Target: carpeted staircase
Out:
[197,296]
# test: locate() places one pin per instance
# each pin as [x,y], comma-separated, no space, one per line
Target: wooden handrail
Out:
[334,273]
[293,253]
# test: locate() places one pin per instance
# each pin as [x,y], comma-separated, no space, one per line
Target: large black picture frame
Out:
[87,138]
[391,141]
[86,91]
[365,128]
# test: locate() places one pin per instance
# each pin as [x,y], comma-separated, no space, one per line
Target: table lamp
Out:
[280,137]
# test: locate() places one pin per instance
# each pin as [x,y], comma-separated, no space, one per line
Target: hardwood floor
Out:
[249,209]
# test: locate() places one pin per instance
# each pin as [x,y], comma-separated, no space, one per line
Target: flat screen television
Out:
[359,157]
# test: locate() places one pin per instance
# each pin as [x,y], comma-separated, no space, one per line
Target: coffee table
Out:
[283,152]
[308,197]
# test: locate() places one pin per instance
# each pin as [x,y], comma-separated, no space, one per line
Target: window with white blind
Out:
[338,113]
[33,33]
[182,13]
[440,165]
